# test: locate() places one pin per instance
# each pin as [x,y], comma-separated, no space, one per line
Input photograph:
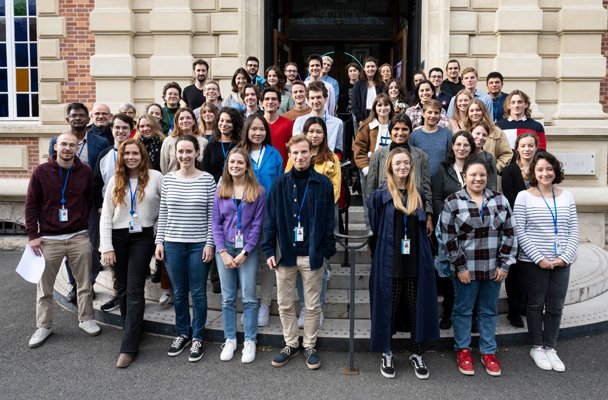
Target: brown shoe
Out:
[124,360]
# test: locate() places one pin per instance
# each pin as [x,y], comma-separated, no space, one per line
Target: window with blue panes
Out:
[18,60]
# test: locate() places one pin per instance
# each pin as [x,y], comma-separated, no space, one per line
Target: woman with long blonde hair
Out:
[402,280]
[130,211]
[463,98]
[238,215]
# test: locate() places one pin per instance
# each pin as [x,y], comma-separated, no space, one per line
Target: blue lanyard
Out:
[84,143]
[171,119]
[65,184]
[114,156]
[133,196]
[256,163]
[225,152]
[553,216]
[239,208]
[483,204]
[303,201]
[405,220]
[384,139]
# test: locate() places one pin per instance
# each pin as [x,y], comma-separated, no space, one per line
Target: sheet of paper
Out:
[31,266]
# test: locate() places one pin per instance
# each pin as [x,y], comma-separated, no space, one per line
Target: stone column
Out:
[580,65]
[113,65]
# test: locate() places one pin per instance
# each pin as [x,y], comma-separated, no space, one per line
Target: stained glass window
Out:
[18,60]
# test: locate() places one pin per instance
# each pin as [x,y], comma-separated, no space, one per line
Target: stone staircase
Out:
[586,308]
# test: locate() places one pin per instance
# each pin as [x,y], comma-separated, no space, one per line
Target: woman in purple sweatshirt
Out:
[238,213]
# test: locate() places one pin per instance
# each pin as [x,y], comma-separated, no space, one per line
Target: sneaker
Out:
[539,356]
[420,368]
[491,363]
[39,337]
[90,327]
[165,297]
[445,323]
[313,361]
[555,361]
[228,349]
[465,362]
[284,356]
[196,351]
[302,317]
[178,345]
[248,352]
[386,367]
[71,297]
[263,315]
[112,304]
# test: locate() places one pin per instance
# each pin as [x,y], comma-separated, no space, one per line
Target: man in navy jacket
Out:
[300,215]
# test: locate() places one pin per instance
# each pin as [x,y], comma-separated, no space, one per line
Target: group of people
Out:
[459,193]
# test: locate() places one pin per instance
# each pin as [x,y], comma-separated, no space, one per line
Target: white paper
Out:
[30,266]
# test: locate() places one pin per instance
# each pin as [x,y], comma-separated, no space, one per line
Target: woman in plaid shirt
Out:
[478,226]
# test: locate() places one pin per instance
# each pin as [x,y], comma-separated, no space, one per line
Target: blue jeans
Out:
[300,288]
[188,273]
[486,293]
[230,279]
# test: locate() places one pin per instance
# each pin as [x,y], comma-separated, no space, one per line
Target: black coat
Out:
[512,182]
[359,99]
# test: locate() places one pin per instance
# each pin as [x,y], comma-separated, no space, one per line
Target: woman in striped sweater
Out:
[185,241]
[547,232]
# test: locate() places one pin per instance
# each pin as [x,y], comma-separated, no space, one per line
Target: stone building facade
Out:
[126,50]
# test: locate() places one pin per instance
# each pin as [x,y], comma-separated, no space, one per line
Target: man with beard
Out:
[193,94]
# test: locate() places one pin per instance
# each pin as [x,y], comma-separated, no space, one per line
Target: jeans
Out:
[546,296]
[245,278]
[133,254]
[300,288]
[485,292]
[188,272]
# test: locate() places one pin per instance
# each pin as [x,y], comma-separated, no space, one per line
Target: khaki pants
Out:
[78,251]
[286,297]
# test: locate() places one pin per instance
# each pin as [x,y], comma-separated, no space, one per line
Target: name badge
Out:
[63,215]
[405,246]
[134,227]
[557,246]
[239,242]
[298,233]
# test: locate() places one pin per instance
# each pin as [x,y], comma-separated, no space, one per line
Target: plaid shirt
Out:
[415,114]
[475,244]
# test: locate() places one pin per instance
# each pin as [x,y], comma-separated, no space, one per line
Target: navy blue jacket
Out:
[95,144]
[382,217]
[281,219]
[358,99]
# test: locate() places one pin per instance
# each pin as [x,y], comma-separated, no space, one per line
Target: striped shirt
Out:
[186,206]
[475,244]
[535,229]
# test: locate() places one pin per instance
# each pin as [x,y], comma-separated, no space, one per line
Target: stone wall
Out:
[604,84]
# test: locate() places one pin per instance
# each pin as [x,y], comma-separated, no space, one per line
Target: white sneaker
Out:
[302,317]
[556,363]
[39,337]
[263,315]
[228,349]
[540,358]
[90,327]
[165,297]
[248,352]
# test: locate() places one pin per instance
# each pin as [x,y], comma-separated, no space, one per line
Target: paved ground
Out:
[72,365]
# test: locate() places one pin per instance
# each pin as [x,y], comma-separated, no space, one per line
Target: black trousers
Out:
[408,288]
[133,254]
[515,285]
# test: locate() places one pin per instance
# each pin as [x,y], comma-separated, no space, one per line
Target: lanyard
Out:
[114,156]
[384,139]
[483,204]
[133,197]
[257,163]
[553,216]
[303,200]
[225,152]
[239,207]
[65,184]
[405,220]
[170,118]
[84,143]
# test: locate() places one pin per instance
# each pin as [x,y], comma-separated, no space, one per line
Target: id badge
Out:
[298,233]
[134,227]
[238,241]
[557,246]
[63,215]
[405,246]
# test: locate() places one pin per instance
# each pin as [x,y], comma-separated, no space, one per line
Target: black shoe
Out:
[386,367]
[420,368]
[178,345]
[515,320]
[217,288]
[196,351]
[284,356]
[71,297]
[112,304]
[445,323]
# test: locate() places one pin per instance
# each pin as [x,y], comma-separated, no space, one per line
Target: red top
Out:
[280,133]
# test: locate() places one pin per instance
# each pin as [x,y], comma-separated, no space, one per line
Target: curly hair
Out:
[558,167]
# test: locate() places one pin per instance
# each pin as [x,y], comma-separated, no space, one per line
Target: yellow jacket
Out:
[329,169]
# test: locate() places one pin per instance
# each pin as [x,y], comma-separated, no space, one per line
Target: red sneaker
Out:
[491,363]
[465,362]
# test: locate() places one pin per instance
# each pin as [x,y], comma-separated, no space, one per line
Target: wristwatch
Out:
[245,253]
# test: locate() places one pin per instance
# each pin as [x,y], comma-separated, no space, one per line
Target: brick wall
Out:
[32,156]
[604,83]
[77,48]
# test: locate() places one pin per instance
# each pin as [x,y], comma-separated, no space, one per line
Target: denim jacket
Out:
[281,219]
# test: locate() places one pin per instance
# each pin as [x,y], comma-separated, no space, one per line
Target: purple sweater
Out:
[224,221]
